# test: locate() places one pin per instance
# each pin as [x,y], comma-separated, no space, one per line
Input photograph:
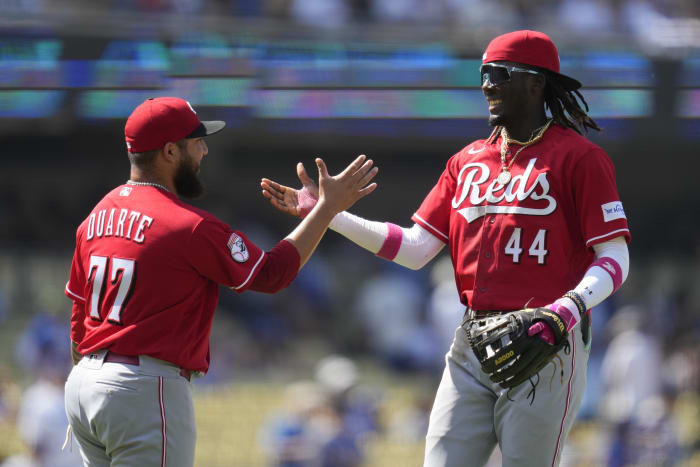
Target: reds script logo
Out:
[239,252]
[473,178]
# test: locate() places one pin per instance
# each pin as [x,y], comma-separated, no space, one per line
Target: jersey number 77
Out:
[121,276]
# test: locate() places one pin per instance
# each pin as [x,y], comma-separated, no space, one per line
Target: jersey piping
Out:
[606,235]
[73,294]
[430,226]
[253,269]
[568,400]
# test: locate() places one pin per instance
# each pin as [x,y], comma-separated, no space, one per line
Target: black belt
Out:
[113,357]
[471,314]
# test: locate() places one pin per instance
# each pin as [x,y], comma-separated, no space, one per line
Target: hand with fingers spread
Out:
[335,193]
[287,199]
[341,191]
[300,202]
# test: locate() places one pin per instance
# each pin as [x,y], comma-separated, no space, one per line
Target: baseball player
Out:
[145,282]
[532,218]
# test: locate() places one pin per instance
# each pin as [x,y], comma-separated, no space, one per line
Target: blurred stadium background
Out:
[340,369]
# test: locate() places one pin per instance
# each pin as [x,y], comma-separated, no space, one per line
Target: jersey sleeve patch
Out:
[238,249]
[612,211]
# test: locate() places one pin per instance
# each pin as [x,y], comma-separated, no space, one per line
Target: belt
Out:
[134,360]
[470,313]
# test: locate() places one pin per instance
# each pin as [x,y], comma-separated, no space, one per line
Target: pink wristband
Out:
[610,266]
[392,242]
[560,308]
[306,201]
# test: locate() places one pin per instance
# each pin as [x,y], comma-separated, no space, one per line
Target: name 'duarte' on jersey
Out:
[475,175]
[118,225]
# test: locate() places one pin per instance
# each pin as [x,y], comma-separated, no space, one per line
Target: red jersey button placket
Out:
[485,259]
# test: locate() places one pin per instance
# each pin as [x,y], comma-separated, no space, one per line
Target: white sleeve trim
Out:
[606,235]
[597,285]
[418,245]
[251,272]
[432,227]
[73,294]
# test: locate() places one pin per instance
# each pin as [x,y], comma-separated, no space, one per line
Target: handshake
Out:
[300,202]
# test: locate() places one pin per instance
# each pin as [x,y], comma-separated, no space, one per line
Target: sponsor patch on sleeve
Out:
[612,211]
[239,252]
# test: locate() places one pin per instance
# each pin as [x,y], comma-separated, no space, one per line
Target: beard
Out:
[187,182]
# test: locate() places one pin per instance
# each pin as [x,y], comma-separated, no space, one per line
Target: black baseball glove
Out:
[507,353]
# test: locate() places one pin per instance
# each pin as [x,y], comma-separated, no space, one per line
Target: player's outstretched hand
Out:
[299,202]
[287,199]
[339,192]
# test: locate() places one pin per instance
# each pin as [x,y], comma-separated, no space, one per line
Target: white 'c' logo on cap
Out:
[190,106]
[484,56]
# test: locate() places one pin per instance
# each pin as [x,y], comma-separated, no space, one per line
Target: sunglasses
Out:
[498,74]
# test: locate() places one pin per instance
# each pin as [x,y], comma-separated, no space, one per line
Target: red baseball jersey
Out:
[526,242]
[145,274]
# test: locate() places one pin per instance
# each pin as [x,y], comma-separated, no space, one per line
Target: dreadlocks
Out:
[560,100]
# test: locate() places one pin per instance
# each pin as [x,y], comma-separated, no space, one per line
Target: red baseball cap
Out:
[163,120]
[529,48]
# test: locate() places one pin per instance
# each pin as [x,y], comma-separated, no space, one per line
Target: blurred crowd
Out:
[662,23]
[325,13]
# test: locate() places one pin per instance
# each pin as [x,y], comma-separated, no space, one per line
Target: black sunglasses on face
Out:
[497,74]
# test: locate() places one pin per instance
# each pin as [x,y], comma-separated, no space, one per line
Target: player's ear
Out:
[171,152]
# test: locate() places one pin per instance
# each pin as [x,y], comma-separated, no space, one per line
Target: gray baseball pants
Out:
[471,415]
[126,415]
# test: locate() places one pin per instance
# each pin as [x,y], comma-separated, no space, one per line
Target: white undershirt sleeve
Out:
[598,283]
[418,246]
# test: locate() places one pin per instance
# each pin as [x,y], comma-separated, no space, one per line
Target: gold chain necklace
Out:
[504,176]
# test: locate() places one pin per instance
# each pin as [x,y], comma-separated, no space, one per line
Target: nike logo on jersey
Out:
[484,194]
[472,151]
